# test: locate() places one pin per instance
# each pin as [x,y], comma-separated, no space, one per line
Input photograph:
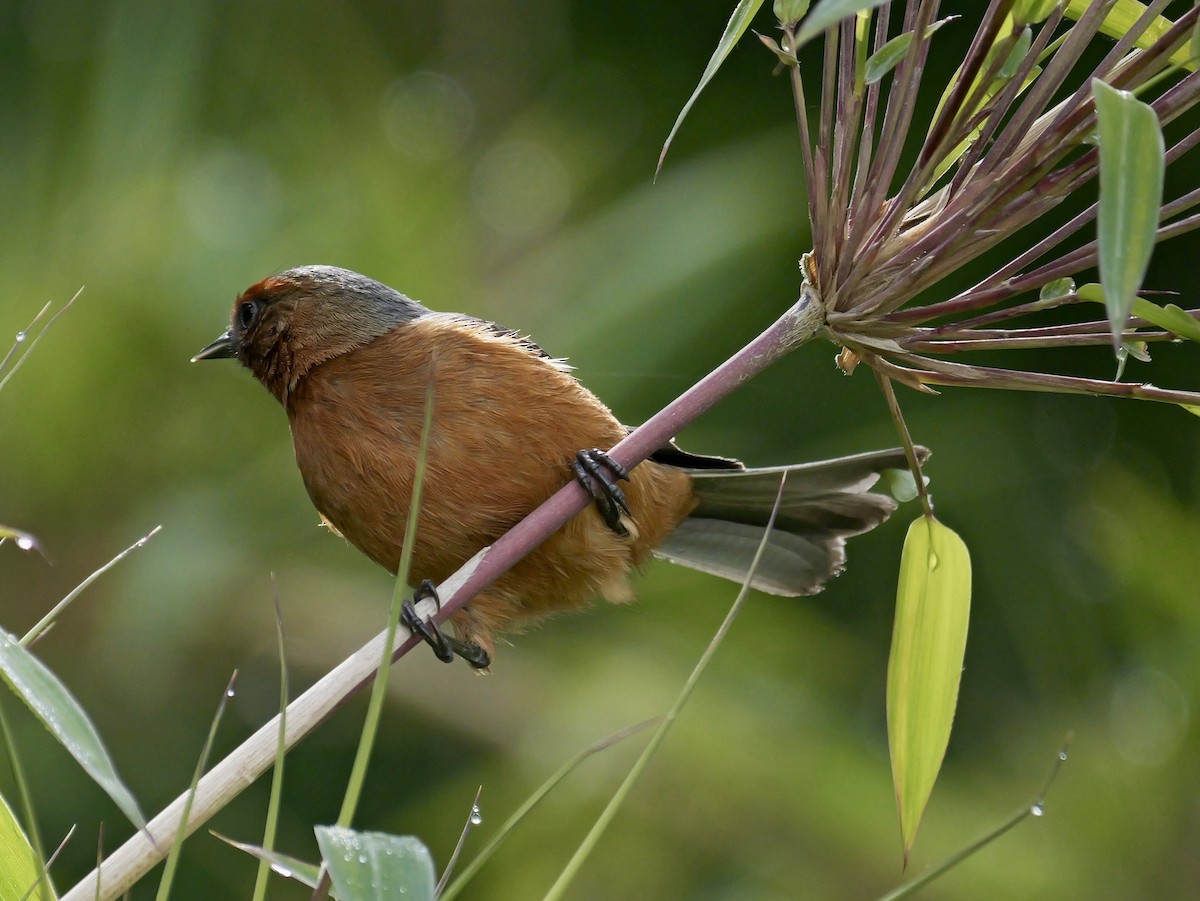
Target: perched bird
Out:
[350,359]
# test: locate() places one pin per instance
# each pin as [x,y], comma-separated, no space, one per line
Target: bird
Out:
[351,361]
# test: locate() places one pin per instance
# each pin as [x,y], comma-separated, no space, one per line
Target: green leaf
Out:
[789,11]
[1060,287]
[1191,408]
[1171,318]
[901,484]
[887,57]
[734,29]
[283,864]
[1131,185]
[58,710]
[1120,20]
[373,866]
[826,14]
[1030,12]
[933,602]
[18,865]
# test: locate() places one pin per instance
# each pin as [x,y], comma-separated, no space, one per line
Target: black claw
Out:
[595,470]
[445,647]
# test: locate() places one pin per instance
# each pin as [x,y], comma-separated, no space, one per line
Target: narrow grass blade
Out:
[1036,809]
[474,818]
[283,864]
[929,639]
[476,864]
[610,811]
[28,809]
[48,620]
[358,772]
[734,29]
[168,876]
[58,710]
[372,866]
[268,843]
[20,864]
[28,339]
[1131,185]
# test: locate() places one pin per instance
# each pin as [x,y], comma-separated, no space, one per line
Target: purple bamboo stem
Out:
[795,327]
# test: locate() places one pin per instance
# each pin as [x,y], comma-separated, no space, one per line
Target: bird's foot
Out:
[445,647]
[599,473]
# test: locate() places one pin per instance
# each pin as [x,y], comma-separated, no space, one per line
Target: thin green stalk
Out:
[48,620]
[906,439]
[28,811]
[464,878]
[268,842]
[1037,809]
[168,876]
[609,813]
[358,772]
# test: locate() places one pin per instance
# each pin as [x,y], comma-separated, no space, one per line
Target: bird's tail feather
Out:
[823,504]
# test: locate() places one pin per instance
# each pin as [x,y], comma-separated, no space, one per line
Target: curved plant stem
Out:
[248,761]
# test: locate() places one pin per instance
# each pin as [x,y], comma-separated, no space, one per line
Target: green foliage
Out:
[20,875]
[44,694]
[168,156]
[1131,186]
[371,866]
[929,641]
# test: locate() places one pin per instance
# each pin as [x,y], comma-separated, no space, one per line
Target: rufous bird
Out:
[350,360]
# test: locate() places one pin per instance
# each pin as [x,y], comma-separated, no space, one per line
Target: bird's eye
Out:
[246,314]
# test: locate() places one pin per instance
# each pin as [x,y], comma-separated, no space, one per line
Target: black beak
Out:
[224,348]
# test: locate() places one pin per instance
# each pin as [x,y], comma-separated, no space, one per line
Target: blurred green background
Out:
[496,158]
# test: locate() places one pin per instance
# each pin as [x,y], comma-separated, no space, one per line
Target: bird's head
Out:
[284,325]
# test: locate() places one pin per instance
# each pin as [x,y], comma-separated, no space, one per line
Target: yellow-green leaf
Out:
[1131,185]
[1171,318]
[1119,20]
[933,603]
[18,871]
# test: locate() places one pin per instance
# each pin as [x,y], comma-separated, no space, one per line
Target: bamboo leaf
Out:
[18,864]
[285,865]
[826,14]
[374,866]
[1119,20]
[734,29]
[1131,184]
[58,710]
[789,11]
[887,57]
[929,639]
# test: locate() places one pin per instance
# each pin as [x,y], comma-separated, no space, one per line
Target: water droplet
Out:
[1037,810]
[476,815]
[1062,755]
[362,858]
[24,542]
[229,692]
[933,560]
[20,337]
